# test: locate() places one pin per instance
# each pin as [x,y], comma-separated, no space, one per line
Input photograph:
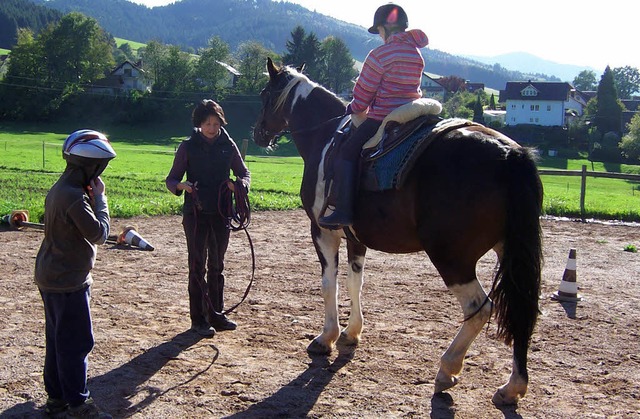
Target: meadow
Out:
[31,162]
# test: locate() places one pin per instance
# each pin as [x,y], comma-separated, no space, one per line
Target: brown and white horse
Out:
[471,191]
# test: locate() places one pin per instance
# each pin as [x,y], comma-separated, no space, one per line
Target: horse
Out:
[471,191]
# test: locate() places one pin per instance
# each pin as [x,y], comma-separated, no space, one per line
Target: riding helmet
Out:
[88,149]
[389,15]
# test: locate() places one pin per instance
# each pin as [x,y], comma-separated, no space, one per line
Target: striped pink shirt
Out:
[391,75]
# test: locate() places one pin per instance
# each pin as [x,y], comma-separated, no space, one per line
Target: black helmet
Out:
[390,14]
[88,149]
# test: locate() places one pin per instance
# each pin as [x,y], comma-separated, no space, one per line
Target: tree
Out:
[176,71]
[337,65]
[311,55]
[627,80]
[295,47]
[459,105]
[630,144]
[585,81]
[608,115]
[76,51]
[252,56]
[478,111]
[492,102]
[209,72]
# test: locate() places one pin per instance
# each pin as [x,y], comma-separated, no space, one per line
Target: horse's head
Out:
[273,118]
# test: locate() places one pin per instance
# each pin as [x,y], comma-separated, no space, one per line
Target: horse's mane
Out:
[296,78]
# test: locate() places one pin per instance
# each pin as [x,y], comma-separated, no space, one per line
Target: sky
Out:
[587,34]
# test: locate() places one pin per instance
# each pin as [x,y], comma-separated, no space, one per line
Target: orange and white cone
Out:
[131,237]
[568,290]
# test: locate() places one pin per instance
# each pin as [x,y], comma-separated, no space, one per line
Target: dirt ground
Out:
[584,362]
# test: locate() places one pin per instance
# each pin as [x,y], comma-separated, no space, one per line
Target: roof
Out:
[540,90]
[127,62]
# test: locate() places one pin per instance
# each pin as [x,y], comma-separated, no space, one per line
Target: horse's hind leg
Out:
[476,310]
[356,255]
[327,244]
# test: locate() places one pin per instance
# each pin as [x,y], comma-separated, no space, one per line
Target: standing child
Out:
[207,158]
[76,219]
[390,77]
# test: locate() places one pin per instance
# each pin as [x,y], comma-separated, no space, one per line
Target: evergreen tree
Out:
[609,111]
[478,111]
[492,102]
[295,48]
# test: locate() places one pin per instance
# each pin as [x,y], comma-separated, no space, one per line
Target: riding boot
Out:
[343,189]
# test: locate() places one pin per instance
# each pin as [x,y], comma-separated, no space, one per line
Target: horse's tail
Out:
[517,283]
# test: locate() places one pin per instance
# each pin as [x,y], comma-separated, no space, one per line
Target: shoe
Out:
[223,323]
[87,410]
[56,408]
[343,189]
[203,330]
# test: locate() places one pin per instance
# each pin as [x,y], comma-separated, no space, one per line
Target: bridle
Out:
[268,104]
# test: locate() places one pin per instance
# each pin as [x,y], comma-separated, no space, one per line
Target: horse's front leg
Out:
[327,244]
[355,275]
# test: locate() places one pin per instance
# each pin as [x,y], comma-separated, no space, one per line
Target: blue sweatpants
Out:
[69,339]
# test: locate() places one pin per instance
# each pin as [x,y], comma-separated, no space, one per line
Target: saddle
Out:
[389,156]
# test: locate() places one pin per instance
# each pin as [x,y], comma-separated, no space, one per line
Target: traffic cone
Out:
[131,237]
[568,290]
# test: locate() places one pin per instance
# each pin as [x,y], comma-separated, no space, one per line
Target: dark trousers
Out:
[69,339]
[352,148]
[207,241]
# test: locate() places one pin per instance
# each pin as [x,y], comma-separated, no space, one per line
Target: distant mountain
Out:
[191,23]
[528,63]
[16,14]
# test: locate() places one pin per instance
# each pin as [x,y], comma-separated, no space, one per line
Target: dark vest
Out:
[209,164]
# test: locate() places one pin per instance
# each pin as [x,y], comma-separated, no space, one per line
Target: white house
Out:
[541,103]
[430,86]
[124,78]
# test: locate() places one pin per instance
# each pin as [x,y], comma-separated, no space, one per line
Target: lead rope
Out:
[234,206]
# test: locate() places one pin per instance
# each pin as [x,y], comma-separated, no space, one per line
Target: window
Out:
[548,108]
[127,72]
[535,108]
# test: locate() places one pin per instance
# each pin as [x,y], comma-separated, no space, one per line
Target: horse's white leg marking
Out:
[511,392]
[470,296]
[355,276]
[328,244]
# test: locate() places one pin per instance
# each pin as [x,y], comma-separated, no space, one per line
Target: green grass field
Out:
[31,162]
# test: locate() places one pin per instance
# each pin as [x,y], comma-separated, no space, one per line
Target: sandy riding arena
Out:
[584,360]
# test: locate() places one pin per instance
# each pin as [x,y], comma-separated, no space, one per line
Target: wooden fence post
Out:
[583,191]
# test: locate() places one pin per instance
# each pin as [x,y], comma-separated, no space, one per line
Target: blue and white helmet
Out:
[88,149]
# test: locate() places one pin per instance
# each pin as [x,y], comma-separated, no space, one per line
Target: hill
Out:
[191,23]
[525,62]
[16,14]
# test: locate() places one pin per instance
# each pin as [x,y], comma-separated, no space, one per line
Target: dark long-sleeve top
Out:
[209,163]
[73,227]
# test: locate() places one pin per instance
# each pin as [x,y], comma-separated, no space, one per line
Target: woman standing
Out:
[207,158]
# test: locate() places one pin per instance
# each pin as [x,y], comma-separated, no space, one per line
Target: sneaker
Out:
[223,323]
[87,410]
[203,330]
[55,408]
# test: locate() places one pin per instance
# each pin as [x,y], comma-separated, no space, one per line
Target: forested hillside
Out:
[191,23]
[16,14]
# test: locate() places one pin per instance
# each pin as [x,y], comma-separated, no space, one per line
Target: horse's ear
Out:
[301,68]
[273,71]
